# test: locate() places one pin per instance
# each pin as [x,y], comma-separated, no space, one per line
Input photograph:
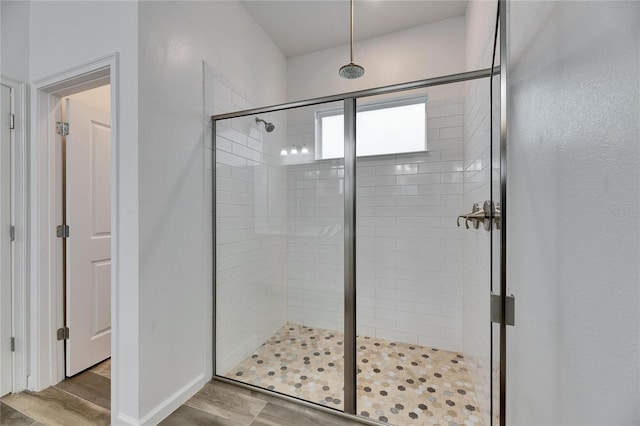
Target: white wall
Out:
[14,40]
[574,227]
[99,29]
[175,257]
[429,50]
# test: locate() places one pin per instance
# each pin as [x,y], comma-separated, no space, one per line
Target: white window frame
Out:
[371,106]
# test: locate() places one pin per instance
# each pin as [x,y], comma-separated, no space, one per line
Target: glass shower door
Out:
[357,244]
[424,277]
[280,252]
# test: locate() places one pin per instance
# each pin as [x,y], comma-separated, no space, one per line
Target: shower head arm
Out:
[351,17]
[351,70]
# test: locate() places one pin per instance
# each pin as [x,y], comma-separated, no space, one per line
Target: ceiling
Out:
[304,26]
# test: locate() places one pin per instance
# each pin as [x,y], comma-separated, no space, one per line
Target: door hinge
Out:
[62,128]
[63,333]
[12,121]
[497,315]
[12,233]
[13,344]
[62,231]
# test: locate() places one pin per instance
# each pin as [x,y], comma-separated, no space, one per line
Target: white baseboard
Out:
[166,407]
[124,420]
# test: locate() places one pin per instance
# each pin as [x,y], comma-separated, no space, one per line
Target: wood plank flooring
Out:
[226,405]
[89,386]
[81,400]
[84,400]
[10,416]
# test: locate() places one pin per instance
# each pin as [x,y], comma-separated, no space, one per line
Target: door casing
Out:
[45,172]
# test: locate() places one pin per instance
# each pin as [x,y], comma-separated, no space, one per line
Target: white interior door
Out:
[6,371]
[88,214]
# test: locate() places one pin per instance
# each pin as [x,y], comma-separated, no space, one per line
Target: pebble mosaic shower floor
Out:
[398,383]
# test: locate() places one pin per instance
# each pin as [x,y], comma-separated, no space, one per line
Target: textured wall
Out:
[174,289]
[574,193]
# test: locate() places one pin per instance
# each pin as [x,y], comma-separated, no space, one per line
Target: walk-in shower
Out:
[341,277]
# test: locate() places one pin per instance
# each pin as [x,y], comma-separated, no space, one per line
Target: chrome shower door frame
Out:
[350,133]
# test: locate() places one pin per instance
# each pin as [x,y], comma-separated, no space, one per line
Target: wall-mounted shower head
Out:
[269,127]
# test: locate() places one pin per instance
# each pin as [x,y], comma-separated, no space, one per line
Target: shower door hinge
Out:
[12,121]
[62,128]
[63,333]
[62,231]
[509,315]
[13,344]
[12,233]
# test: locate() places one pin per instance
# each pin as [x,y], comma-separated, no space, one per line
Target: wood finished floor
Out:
[84,400]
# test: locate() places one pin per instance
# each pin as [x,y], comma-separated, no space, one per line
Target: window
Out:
[388,127]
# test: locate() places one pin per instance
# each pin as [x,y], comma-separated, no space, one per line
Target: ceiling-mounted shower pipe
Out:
[351,70]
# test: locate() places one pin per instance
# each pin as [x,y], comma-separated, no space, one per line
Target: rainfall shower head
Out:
[351,70]
[269,127]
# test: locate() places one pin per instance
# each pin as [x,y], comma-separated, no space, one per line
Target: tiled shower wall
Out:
[477,271]
[409,253]
[251,224]
[316,244]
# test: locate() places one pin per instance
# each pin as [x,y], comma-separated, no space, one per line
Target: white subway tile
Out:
[397,169]
[418,179]
[397,190]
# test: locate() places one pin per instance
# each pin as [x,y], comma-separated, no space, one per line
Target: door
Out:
[5,241]
[88,247]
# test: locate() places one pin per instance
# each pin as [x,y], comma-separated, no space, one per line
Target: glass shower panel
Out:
[423,333]
[280,253]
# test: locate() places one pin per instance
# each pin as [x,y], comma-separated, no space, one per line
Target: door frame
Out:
[19,197]
[46,250]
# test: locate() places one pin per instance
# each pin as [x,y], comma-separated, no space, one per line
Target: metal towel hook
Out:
[474,216]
